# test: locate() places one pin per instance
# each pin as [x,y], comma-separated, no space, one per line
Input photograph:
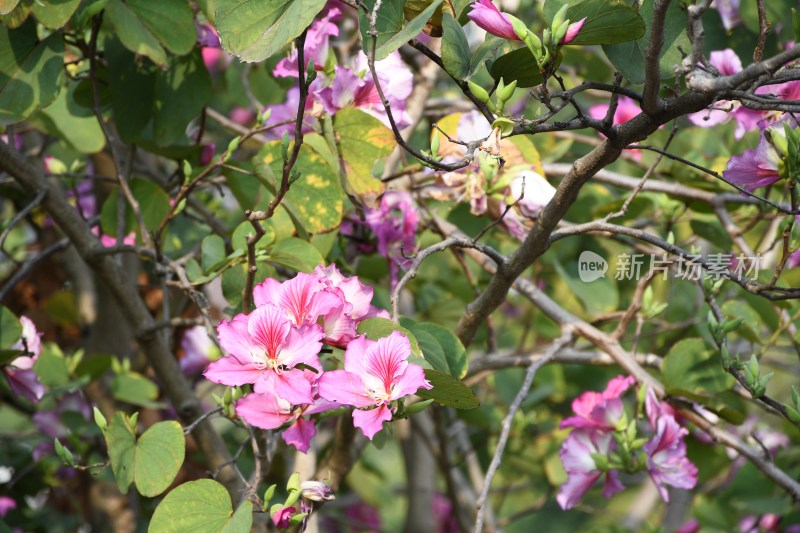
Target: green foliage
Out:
[30,71]
[362,140]
[10,333]
[629,58]
[455,48]
[519,66]
[607,21]
[152,461]
[391,31]
[202,506]
[448,391]
[255,31]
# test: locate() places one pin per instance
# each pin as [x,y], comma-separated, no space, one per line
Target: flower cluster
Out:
[276,348]
[604,443]
[335,86]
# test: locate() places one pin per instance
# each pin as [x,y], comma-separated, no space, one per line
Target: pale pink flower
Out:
[316,47]
[487,16]
[19,373]
[394,224]
[655,409]
[727,63]
[207,152]
[600,410]
[690,526]
[242,115]
[108,241]
[627,108]
[316,491]
[667,463]
[375,374]
[576,455]
[355,87]
[268,411]
[729,13]
[264,349]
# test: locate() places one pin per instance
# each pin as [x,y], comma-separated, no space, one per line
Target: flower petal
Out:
[370,422]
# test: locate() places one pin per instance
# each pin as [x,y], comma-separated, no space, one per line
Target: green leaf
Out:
[518,65]
[296,254]
[628,57]
[18,15]
[448,391]
[170,21]
[751,325]
[201,506]
[484,52]
[213,252]
[10,329]
[133,33]
[363,140]
[65,119]
[54,14]
[7,6]
[152,461]
[607,22]
[30,71]
[713,232]
[692,366]
[135,389]
[316,198]
[51,368]
[388,22]
[454,351]
[153,202]
[131,88]
[257,29]
[377,328]
[432,351]
[455,48]
[396,37]
[180,95]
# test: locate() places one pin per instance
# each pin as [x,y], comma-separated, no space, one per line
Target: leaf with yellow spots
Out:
[363,140]
[315,200]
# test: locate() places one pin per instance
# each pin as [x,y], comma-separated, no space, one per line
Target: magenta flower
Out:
[19,373]
[281,517]
[754,168]
[268,411]
[667,463]
[656,409]
[600,410]
[316,47]
[207,35]
[487,16]
[375,374]
[303,298]
[576,455]
[285,114]
[264,348]
[572,31]
[627,108]
[394,224]
[6,505]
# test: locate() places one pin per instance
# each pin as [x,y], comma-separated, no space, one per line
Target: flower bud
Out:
[316,491]
[479,92]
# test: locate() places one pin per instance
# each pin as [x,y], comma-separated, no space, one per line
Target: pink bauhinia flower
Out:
[355,87]
[576,455]
[316,47]
[729,13]
[375,374]
[627,108]
[487,16]
[19,373]
[268,411]
[655,409]
[531,192]
[667,463]
[600,410]
[264,349]
[727,63]
[754,168]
